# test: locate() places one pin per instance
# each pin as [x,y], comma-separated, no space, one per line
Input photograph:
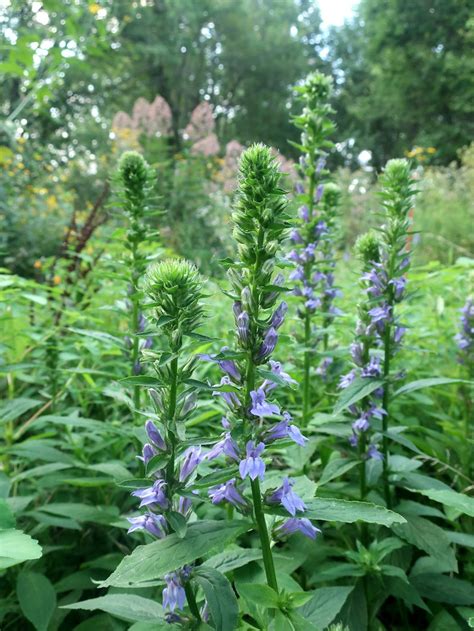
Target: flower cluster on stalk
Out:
[313,237]
[175,290]
[465,337]
[254,419]
[379,332]
[134,183]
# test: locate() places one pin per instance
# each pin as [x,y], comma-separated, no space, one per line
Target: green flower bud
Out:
[397,188]
[175,287]
[331,195]
[318,87]
[133,170]
[367,247]
[261,202]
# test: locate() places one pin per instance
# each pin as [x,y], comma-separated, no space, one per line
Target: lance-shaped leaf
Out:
[152,561]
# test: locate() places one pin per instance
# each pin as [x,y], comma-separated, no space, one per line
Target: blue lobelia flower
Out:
[253,466]
[227,492]
[147,453]
[226,446]
[153,495]
[174,596]
[269,342]
[278,316]
[284,429]
[154,435]
[285,496]
[260,406]
[298,524]
[154,524]
[276,369]
[191,458]
[230,398]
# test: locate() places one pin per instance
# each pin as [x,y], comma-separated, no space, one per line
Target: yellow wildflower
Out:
[38,264]
[56,279]
[51,202]
[431,150]
[94,8]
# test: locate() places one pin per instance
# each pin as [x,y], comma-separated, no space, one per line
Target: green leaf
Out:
[201,385]
[148,626]
[261,595]
[232,559]
[178,523]
[134,483]
[150,382]
[157,462]
[335,468]
[152,561]
[275,378]
[420,482]
[98,335]
[37,598]
[83,512]
[461,539]
[427,536]
[459,501]
[419,384]
[16,547]
[220,598]
[328,509]
[7,520]
[126,606]
[216,477]
[12,409]
[357,390]
[406,592]
[444,589]
[325,604]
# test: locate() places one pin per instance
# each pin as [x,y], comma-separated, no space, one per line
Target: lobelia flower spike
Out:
[397,194]
[134,183]
[465,337]
[175,290]
[313,238]
[366,363]
[385,285]
[253,420]
[465,342]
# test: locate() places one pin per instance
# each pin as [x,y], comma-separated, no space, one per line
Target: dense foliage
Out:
[236,377]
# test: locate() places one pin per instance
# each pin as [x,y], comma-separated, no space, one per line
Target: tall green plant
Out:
[313,252]
[134,187]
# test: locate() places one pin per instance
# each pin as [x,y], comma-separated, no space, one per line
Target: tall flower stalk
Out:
[175,289]
[134,181]
[385,283]
[366,360]
[251,377]
[465,342]
[398,191]
[313,236]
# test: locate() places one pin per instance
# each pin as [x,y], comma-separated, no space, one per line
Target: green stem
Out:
[191,598]
[264,537]
[386,398]
[307,368]
[250,385]
[171,435]
[135,323]
[307,323]
[363,479]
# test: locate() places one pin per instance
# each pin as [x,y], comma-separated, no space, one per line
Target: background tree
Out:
[405,71]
